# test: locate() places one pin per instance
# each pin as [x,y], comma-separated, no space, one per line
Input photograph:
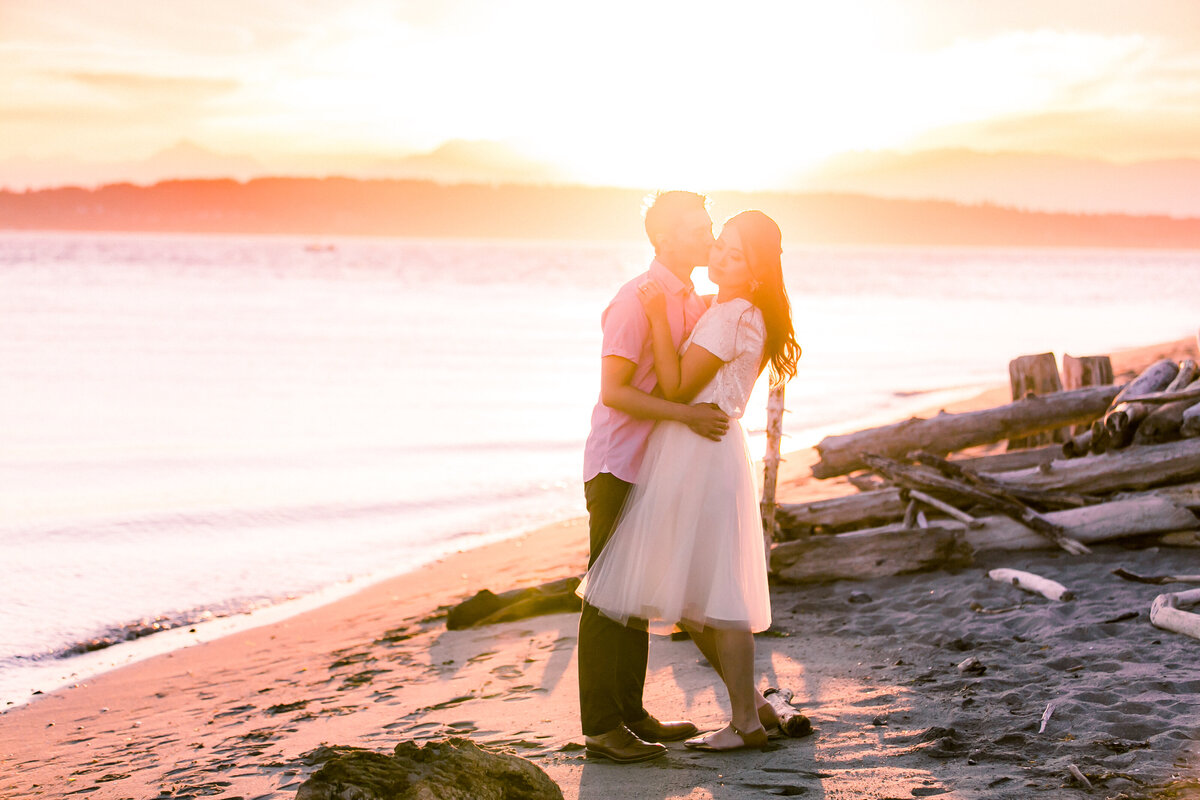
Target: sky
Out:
[645,93]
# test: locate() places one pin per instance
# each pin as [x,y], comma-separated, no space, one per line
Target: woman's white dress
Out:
[689,544]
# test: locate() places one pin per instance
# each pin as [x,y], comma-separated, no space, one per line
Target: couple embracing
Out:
[675,528]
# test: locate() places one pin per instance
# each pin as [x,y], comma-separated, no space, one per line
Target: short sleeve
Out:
[751,333]
[717,331]
[625,327]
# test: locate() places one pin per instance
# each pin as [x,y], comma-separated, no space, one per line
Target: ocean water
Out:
[194,427]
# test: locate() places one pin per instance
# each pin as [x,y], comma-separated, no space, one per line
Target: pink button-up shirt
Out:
[618,441]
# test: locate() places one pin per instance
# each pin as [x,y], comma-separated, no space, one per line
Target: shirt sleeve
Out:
[625,327]
[751,333]
[716,332]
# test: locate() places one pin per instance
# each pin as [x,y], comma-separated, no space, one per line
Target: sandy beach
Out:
[873,663]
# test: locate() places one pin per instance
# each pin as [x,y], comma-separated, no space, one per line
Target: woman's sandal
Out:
[754,739]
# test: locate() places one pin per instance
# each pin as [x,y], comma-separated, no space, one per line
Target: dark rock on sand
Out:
[452,769]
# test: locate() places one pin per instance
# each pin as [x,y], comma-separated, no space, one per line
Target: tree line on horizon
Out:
[413,208]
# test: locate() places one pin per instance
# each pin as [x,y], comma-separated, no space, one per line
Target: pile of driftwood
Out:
[1090,464]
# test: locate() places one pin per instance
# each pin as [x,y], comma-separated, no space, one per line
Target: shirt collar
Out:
[669,280]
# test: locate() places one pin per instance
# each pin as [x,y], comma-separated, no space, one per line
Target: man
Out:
[612,656]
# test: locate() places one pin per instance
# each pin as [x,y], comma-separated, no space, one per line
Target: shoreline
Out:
[81,661]
[235,715]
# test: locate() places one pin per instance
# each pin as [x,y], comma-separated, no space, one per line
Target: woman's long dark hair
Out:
[762,244]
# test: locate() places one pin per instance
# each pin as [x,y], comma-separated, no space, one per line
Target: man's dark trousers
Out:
[612,656]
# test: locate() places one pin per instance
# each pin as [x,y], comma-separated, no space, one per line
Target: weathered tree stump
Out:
[1081,371]
[1036,375]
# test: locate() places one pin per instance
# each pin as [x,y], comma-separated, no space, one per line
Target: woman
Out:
[688,548]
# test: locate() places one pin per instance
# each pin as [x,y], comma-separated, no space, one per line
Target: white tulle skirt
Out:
[688,545]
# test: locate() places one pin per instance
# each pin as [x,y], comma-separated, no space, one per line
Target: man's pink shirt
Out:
[618,441]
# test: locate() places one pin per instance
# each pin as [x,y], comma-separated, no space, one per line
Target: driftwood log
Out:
[1034,375]
[873,553]
[1127,514]
[946,433]
[1079,445]
[1163,423]
[1158,398]
[1185,495]
[855,510]
[488,608]
[1157,580]
[1034,584]
[791,722]
[1017,459]
[1190,422]
[1132,468]
[1100,437]
[1049,498]
[930,480]
[1124,416]
[1134,516]
[894,549]
[1165,614]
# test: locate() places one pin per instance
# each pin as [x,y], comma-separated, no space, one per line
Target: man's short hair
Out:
[666,210]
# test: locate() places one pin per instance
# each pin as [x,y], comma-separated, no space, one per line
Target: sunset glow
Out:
[671,93]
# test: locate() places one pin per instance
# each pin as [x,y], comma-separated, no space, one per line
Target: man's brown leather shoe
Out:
[622,746]
[651,730]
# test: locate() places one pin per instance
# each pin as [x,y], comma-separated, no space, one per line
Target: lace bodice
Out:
[734,332]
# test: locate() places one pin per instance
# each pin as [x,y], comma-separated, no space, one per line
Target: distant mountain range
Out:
[455,161]
[342,206]
[1043,182]
[1040,182]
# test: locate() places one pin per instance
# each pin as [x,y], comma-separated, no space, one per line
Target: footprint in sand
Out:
[508,672]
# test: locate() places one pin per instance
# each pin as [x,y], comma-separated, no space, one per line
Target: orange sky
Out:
[633,92]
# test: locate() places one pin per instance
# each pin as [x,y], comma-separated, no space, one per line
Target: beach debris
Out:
[1011,460]
[1064,494]
[1035,375]
[1122,419]
[858,597]
[894,549]
[1121,572]
[488,608]
[873,553]
[947,509]
[1128,615]
[1165,613]
[978,491]
[946,433]
[978,609]
[1189,424]
[972,666]
[454,767]
[1046,715]
[791,721]
[1035,584]
[1079,777]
